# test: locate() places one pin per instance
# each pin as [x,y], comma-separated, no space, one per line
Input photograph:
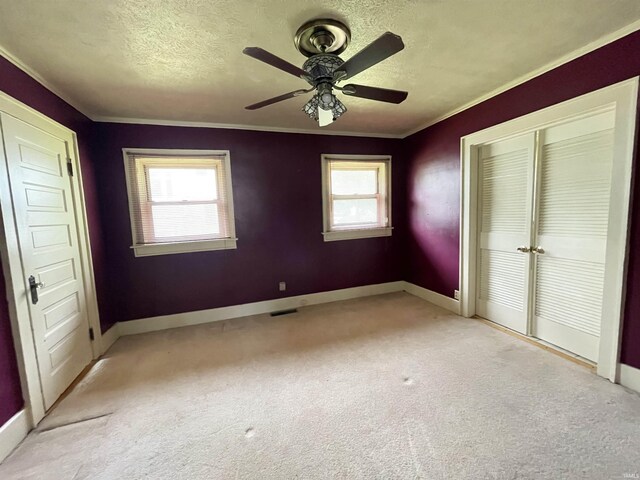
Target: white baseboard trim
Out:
[13,432]
[438,299]
[164,322]
[109,338]
[630,377]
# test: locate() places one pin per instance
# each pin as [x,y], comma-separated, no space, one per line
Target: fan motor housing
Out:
[322,36]
[321,67]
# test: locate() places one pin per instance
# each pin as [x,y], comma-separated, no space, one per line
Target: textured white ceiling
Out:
[182,60]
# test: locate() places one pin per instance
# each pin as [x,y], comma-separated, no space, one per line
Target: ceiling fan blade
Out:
[375,93]
[277,99]
[270,59]
[385,46]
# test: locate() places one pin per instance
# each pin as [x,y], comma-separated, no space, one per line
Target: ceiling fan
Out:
[322,41]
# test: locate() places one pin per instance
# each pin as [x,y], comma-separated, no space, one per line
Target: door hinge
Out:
[69,167]
[92,337]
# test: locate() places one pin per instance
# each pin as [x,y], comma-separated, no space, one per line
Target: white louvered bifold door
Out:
[574,183]
[505,210]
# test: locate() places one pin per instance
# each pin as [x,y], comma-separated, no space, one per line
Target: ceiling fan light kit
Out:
[322,40]
[313,107]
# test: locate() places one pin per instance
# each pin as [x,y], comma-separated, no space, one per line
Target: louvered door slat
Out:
[576,179]
[502,279]
[578,301]
[504,206]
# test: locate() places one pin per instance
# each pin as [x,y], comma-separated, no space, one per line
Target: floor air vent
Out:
[284,312]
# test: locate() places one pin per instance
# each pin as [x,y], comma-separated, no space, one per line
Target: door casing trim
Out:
[623,97]
[12,263]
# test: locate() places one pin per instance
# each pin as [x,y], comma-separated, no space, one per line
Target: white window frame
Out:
[329,234]
[181,246]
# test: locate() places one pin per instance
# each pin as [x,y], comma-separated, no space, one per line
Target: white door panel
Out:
[48,239]
[505,193]
[575,167]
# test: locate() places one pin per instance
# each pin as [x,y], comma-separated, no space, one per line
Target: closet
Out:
[542,223]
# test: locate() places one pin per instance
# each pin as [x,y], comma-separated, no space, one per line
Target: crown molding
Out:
[590,47]
[41,80]
[231,126]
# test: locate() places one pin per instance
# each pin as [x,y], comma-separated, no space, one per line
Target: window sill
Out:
[355,234]
[184,247]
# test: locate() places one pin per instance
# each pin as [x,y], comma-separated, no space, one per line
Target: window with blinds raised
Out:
[179,201]
[356,196]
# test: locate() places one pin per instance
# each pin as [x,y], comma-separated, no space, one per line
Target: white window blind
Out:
[357,196]
[179,198]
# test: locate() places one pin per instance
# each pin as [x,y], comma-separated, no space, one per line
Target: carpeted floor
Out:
[384,387]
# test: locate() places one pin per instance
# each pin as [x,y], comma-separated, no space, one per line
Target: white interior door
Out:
[48,239]
[505,205]
[574,174]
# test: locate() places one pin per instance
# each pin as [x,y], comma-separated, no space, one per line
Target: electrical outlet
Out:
[456,294]
[282,286]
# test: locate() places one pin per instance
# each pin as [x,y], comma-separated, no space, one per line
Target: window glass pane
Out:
[171,221]
[354,182]
[357,211]
[182,184]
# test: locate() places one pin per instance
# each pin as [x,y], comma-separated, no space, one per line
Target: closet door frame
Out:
[621,98]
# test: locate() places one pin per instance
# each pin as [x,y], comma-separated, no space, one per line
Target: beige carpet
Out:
[383,387]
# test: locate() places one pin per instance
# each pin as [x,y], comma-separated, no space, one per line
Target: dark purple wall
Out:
[631,328]
[433,156]
[22,87]
[10,392]
[278,208]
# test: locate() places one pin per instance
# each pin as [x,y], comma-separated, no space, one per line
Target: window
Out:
[356,195]
[179,201]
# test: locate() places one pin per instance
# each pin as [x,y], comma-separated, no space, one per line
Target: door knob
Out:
[34,286]
[538,250]
[523,249]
